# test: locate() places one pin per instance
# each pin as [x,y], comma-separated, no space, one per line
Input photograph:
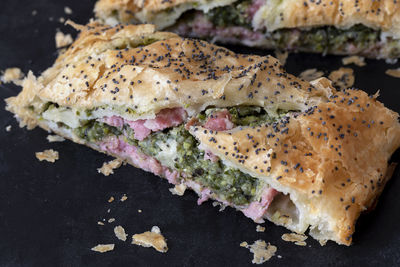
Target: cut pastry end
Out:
[241,131]
[323,27]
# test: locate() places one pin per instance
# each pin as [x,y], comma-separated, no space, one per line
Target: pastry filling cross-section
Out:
[165,147]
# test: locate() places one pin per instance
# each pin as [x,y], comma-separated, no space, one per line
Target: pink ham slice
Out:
[118,146]
[256,210]
[166,118]
[219,121]
[204,196]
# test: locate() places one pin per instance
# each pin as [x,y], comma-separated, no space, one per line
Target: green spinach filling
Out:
[227,183]
[328,39]
[233,15]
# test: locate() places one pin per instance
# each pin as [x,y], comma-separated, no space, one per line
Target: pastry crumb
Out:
[151,239]
[119,232]
[123,198]
[67,10]
[8,128]
[111,199]
[260,228]
[342,78]
[103,248]
[297,239]
[322,242]
[179,189]
[63,40]
[281,56]
[300,243]
[61,20]
[55,138]
[12,75]
[356,60]
[140,211]
[222,206]
[100,223]
[34,12]
[262,251]
[244,244]
[311,74]
[393,72]
[48,155]
[109,167]
[111,220]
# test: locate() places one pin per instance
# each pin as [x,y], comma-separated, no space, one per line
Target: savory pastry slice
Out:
[356,27]
[234,128]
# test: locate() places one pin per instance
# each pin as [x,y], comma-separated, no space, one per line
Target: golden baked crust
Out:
[160,12]
[274,14]
[383,15]
[103,67]
[332,158]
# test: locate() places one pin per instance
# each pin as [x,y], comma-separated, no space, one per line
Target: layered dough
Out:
[331,159]
[317,164]
[361,27]
[273,14]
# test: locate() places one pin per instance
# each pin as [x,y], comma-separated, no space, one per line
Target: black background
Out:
[49,212]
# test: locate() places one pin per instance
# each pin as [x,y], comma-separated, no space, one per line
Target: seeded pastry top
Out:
[324,154]
[138,68]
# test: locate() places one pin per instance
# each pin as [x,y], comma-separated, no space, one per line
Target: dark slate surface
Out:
[48,212]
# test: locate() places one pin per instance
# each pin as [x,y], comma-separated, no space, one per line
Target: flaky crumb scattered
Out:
[8,128]
[151,239]
[111,199]
[322,242]
[300,243]
[48,155]
[109,167]
[261,250]
[342,78]
[34,12]
[140,211]
[244,244]
[123,198]
[297,239]
[103,248]
[55,138]
[281,56]
[11,75]
[111,220]
[356,60]
[179,189]
[100,223]
[119,232]
[67,10]
[259,228]
[393,72]
[63,40]
[222,206]
[311,74]
[61,20]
